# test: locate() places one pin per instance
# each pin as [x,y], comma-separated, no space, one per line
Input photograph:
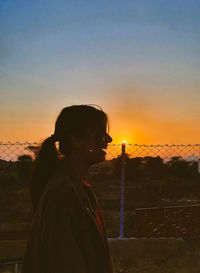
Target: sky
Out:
[139,60]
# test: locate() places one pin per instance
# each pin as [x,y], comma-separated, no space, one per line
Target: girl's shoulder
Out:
[58,192]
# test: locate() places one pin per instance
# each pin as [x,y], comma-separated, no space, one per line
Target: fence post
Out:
[198,168]
[16,268]
[122,190]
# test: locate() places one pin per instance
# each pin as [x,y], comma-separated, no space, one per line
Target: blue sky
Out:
[139,60]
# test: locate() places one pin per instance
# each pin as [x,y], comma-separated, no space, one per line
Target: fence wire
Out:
[11,151]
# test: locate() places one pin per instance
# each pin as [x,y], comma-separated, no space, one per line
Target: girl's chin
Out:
[98,157]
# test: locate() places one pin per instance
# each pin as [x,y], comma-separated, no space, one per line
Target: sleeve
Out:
[63,252]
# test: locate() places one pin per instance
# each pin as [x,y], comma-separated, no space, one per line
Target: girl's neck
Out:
[75,167]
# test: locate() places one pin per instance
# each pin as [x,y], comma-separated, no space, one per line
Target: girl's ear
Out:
[75,142]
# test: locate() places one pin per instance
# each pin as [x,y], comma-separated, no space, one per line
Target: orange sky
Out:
[138,124]
[139,62]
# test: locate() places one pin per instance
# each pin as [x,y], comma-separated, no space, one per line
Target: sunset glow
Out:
[139,61]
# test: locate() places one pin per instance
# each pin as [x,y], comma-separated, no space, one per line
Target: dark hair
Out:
[75,120]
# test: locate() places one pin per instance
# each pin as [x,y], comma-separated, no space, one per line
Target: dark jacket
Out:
[66,236]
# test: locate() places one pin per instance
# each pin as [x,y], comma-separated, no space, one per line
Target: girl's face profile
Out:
[94,147]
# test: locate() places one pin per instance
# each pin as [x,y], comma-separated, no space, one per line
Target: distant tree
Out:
[24,163]
[34,149]
[180,168]
[182,180]
[153,167]
[134,168]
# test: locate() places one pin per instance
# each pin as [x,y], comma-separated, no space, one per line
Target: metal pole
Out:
[198,168]
[16,269]
[122,190]
[198,162]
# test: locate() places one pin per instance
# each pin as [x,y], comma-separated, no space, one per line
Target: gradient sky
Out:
[139,60]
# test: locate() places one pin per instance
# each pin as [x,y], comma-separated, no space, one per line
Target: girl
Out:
[68,233]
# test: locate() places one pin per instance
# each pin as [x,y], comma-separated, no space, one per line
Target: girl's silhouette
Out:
[67,233]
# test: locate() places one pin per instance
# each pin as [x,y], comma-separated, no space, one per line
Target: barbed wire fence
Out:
[10,151]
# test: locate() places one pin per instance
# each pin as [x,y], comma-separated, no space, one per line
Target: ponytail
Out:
[44,165]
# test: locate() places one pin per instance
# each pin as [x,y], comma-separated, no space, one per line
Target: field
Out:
[149,182]
[136,255]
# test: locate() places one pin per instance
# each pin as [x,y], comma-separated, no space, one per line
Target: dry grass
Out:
[155,256]
[138,255]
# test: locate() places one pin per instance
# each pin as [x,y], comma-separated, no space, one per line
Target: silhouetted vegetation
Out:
[152,182]
[24,164]
[149,182]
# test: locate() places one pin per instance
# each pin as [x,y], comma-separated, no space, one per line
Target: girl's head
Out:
[81,128]
[82,133]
